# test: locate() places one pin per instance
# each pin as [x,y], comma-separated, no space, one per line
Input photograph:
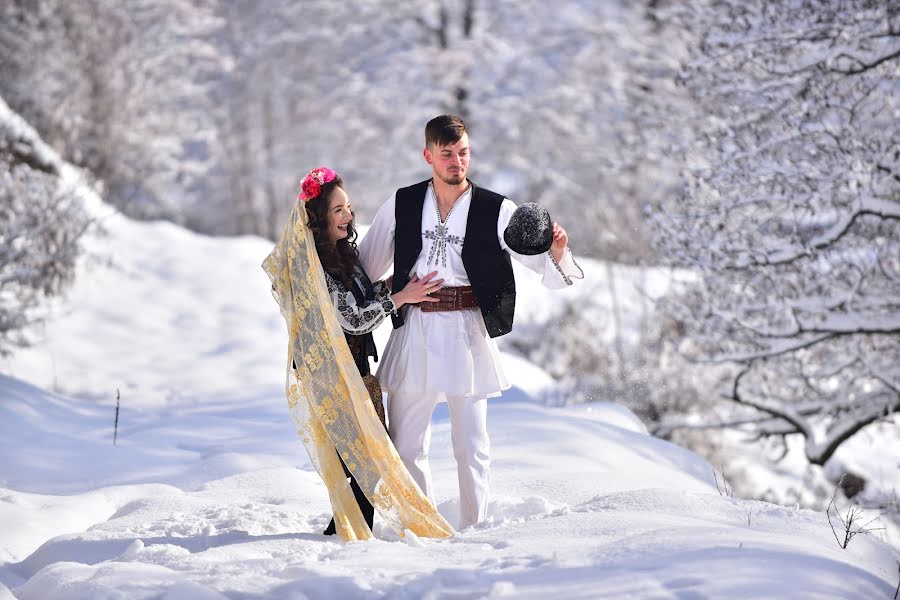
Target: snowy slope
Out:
[208,492]
[585,504]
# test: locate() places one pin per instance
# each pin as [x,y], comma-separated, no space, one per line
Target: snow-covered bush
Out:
[40,227]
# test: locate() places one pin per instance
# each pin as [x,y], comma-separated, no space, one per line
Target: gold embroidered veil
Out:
[329,404]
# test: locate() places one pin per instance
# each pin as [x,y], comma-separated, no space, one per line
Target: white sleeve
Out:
[555,275]
[376,249]
[355,319]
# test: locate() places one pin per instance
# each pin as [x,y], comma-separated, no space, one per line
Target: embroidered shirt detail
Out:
[562,273]
[439,239]
[356,319]
[440,236]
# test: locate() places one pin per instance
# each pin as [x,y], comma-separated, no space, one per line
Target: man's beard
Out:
[452,179]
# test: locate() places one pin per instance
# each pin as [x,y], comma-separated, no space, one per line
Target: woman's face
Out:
[340,215]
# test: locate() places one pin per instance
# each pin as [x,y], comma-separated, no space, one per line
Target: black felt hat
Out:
[530,230]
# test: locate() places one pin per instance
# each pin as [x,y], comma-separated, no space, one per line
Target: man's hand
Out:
[560,241]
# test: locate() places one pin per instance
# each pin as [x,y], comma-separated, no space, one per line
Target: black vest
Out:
[488,266]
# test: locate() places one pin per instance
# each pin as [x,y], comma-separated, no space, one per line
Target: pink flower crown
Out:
[311,186]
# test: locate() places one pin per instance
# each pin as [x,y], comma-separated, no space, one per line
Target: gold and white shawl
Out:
[329,404]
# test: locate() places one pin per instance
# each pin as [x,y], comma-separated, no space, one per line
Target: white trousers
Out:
[409,424]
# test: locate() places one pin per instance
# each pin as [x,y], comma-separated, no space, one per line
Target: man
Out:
[444,351]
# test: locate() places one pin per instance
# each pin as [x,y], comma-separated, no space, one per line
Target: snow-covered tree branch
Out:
[790,212]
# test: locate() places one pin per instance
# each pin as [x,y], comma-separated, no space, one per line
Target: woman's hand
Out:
[417,290]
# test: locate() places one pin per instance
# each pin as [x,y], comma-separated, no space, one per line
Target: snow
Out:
[208,493]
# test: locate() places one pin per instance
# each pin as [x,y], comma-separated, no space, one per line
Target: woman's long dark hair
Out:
[337,259]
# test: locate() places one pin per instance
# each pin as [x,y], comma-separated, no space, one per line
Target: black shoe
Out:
[332,529]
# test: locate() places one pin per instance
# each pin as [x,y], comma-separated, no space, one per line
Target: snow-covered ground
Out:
[208,493]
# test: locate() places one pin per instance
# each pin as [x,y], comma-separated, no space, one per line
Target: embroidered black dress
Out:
[360,310]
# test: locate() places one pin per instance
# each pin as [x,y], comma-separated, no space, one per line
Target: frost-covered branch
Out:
[770,351]
[790,214]
[862,65]
[786,413]
[879,208]
[818,451]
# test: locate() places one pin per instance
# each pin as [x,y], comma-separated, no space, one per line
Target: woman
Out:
[332,410]
[361,305]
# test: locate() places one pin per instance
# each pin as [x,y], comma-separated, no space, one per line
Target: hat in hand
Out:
[530,230]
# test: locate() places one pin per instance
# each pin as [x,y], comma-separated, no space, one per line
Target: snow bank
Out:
[581,507]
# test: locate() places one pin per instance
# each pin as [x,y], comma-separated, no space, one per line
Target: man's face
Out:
[450,163]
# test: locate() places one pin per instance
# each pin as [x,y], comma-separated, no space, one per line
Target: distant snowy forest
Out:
[734,164]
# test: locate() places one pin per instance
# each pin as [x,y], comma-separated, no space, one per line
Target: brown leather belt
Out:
[451,298]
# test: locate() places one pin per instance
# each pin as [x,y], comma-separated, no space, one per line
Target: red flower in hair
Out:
[311,189]
[311,186]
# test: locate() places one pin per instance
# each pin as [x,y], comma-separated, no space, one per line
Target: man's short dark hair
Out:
[444,130]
